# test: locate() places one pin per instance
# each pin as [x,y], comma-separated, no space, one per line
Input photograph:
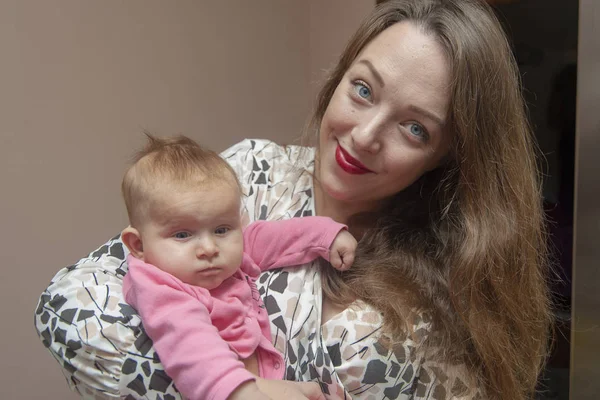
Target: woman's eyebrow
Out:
[428,114]
[373,71]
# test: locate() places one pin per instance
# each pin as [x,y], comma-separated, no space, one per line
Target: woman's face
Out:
[385,125]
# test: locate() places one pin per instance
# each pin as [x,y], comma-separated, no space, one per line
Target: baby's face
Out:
[196,235]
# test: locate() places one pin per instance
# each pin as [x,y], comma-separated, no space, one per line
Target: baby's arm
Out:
[296,241]
[190,348]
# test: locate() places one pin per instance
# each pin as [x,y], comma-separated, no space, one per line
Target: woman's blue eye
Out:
[182,235]
[418,131]
[221,231]
[362,90]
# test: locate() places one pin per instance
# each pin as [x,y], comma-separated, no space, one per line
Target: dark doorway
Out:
[544,35]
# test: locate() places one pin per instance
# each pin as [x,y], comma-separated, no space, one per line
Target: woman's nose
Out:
[207,248]
[367,135]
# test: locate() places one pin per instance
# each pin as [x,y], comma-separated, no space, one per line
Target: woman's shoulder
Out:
[255,154]
[276,180]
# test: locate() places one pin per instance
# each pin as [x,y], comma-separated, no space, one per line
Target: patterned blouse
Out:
[101,345]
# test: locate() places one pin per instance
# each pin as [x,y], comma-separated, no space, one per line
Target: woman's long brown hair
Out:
[466,243]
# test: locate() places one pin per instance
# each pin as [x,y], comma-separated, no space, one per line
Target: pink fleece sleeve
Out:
[295,241]
[194,355]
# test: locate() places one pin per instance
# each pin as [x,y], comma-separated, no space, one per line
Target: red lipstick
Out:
[348,163]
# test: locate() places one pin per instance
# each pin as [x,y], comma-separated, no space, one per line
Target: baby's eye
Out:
[222,230]
[362,90]
[182,235]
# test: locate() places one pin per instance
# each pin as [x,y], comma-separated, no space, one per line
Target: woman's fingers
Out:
[287,390]
[311,390]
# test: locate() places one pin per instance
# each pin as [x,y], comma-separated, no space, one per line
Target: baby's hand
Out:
[341,252]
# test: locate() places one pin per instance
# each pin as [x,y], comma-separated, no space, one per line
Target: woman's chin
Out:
[336,190]
[341,187]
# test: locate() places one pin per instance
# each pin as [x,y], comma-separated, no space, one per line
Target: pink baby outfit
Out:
[200,335]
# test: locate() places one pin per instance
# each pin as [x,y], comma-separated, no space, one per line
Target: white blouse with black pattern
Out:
[103,350]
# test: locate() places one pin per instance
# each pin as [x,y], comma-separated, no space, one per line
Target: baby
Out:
[192,269]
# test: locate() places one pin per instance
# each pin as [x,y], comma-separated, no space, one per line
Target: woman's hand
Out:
[248,391]
[341,252]
[287,390]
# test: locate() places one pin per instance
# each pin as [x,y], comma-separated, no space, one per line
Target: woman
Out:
[425,152]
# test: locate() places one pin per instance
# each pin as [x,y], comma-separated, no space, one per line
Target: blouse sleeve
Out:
[84,322]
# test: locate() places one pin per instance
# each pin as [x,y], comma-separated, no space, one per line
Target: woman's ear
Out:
[132,239]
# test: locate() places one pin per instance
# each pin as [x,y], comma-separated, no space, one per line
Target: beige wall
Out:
[78,82]
[332,22]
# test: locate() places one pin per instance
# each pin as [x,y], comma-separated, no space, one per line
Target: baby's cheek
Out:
[236,249]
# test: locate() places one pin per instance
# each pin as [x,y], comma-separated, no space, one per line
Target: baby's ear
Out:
[132,239]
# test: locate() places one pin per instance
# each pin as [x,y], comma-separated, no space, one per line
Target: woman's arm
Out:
[85,323]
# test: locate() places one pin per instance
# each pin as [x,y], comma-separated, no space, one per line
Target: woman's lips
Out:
[348,163]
